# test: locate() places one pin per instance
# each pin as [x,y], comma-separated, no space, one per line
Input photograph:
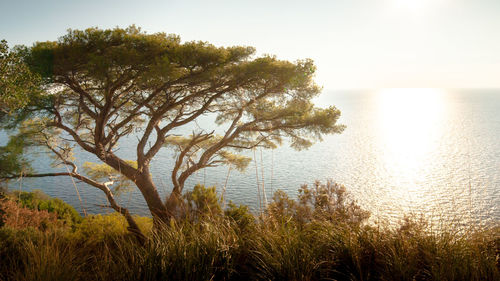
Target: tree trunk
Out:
[174,203]
[150,193]
[134,228]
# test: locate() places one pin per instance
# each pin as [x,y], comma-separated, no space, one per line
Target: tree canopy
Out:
[17,82]
[103,85]
[18,86]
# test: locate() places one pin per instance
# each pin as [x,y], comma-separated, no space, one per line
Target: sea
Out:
[431,153]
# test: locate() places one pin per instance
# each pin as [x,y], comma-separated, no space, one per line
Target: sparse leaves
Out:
[190,148]
[105,173]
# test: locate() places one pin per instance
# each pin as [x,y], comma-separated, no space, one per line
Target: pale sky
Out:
[355,43]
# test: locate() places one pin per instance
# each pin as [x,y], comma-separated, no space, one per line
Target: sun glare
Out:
[409,127]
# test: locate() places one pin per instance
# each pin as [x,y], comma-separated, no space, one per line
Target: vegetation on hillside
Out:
[319,236]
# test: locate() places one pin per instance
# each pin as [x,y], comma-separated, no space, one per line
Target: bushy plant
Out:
[322,202]
[202,202]
[241,216]
[100,227]
[15,216]
[282,208]
[37,200]
[329,202]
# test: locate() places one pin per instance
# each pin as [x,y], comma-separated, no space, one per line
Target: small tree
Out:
[102,85]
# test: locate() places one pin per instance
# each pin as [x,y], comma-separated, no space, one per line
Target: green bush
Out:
[241,216]
[101,227]
[202,202]
[37,200]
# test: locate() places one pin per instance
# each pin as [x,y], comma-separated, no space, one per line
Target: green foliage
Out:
[329,243]
[21,94]
[17,83]
[286,252]
[11,249]
[37,200]
[181,143]
[282,208]
[241,216]
[202,202]
[12,158]
[215,250]
[49,257]
[100,227]
[105,173]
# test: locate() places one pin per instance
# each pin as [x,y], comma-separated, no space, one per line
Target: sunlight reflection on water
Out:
[430,151]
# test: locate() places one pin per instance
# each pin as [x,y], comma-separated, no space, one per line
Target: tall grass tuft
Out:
[201,251]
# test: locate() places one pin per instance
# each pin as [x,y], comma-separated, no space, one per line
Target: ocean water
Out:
[434,152]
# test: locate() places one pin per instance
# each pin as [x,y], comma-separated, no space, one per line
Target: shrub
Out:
[323,202]
[100,227]
[37,200]
[329,202]
[202,202]
[241,216]
[14,216]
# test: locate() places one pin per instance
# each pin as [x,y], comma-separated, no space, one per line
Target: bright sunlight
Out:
[409,124]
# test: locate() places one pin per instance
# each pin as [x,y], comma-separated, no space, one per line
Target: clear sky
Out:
[355,43]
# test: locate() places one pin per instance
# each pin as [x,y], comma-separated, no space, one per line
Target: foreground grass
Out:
[289,242]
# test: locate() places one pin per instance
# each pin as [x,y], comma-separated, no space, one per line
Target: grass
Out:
[305,239]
